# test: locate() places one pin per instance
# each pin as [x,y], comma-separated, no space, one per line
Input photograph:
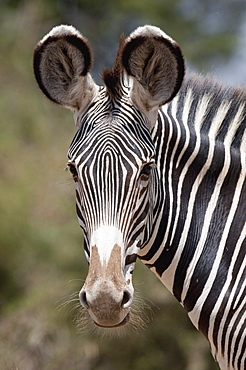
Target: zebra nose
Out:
[83,299]
[126,300]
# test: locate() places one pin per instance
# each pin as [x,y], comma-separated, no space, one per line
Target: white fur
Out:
[149,31]
[105,238]
[60,31]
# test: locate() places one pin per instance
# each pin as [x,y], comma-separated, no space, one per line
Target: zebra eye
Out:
[146,170]
[73,170]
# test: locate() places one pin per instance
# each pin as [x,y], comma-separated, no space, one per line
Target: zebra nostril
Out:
[83,299]
[126,300]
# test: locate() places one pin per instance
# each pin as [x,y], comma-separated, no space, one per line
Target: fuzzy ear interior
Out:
[156,63]
[62,61]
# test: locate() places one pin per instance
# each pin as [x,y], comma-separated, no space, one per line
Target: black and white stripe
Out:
[198,246]
[109,152]
[196,231]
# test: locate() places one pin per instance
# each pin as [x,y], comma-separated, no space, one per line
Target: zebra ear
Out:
[156,64]
[62,60]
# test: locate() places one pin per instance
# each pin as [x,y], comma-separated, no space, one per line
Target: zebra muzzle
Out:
[106,294]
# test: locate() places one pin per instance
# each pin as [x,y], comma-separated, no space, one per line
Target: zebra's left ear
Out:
[156,63]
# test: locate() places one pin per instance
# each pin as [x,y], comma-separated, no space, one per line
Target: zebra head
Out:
[112,157]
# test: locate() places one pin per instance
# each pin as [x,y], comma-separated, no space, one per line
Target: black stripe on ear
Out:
[129,48]
[177,52]
[85,49]
[38,51]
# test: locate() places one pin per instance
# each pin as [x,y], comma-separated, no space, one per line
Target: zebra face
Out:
[112,160]
[112,157]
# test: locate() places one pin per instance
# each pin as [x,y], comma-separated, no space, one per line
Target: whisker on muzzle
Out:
[70,303]
[140,315]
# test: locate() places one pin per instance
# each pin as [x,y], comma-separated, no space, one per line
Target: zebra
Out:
[159,162]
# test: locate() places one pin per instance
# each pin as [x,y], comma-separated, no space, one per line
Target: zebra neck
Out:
[198,189]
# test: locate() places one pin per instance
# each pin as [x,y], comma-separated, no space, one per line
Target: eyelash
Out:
[72,168]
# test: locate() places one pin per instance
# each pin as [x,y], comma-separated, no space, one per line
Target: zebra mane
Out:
[210,85]
[218,95]
[113,78]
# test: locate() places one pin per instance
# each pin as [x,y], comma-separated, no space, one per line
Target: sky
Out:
[234,71]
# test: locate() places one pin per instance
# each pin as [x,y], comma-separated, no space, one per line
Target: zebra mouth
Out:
[123,322]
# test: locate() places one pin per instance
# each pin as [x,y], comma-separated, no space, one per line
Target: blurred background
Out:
[41,245]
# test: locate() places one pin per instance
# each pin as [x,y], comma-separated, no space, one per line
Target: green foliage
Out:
[41,257]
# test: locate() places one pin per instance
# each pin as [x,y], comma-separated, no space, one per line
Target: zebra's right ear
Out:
[156,64]
[62,61]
